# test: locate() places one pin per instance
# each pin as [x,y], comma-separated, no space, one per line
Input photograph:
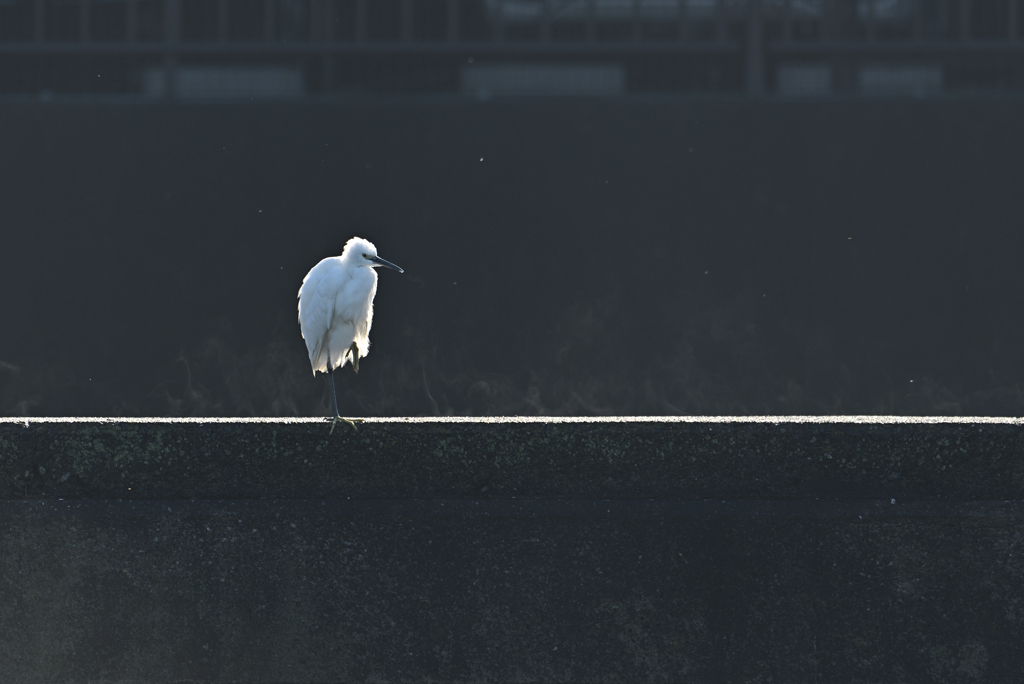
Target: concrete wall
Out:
[701,551]
[622,258]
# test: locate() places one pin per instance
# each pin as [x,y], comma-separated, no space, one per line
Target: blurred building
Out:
[260,49]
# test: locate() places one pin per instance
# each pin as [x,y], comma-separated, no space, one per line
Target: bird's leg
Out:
[354,352]
[334,397]
[334,404]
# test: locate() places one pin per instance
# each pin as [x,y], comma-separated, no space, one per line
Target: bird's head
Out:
[362,253]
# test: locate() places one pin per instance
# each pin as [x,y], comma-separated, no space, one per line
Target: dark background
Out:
[603,257]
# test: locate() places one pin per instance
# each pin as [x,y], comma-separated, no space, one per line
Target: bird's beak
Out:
[383,262]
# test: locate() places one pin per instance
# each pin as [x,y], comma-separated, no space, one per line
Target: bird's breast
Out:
[354,300]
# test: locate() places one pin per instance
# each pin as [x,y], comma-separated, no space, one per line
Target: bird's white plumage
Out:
[336,306]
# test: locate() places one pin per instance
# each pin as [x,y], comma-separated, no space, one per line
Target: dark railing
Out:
[337,46]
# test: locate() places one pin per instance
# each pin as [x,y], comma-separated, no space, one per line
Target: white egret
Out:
[336,310]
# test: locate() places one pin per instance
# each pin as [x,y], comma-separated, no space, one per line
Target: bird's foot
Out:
[338,419]
[354,355]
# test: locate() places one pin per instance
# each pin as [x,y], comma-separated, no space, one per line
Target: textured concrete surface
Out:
[264,551]
[592,458]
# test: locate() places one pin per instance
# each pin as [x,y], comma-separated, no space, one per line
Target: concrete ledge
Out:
[636,458]
[699,550]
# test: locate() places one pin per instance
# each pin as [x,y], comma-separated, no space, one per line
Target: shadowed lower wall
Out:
[698,550]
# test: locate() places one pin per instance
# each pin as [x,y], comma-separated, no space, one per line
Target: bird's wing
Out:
[317,308]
